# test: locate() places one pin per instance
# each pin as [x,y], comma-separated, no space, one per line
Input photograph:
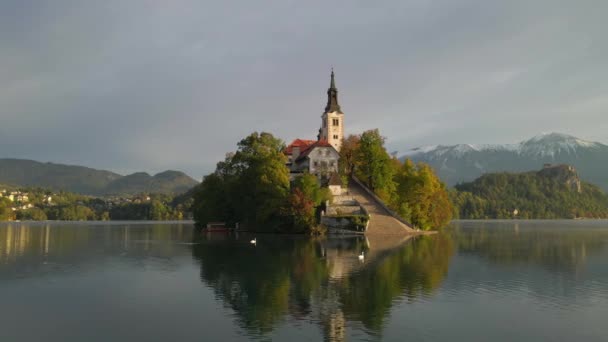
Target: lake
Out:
[476,281]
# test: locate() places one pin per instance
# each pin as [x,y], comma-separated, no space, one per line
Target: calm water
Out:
[478,281]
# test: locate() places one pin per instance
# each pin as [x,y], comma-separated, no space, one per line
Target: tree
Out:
[6,213]
[159,211]
[373,163]
[71,212]
[263,179]
[348,154]
[301,208]
[421,198]
[32,214]
[211,202]
[105,216]
[249,186]
[309,185]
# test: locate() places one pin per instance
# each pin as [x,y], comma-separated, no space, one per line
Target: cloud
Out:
[154,85]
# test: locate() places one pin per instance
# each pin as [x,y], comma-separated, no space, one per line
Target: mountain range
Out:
[88,181]
[465,162]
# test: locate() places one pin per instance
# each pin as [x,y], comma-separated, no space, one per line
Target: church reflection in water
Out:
[289,279]
[320,280]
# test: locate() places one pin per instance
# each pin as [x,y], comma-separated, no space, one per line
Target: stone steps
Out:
[381,222]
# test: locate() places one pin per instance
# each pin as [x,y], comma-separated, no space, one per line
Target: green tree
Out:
[105,216]
[159,211]
[211,202]
[309,185]
[71,212]
[249,186]
[32,214]
[6,213]
[374,166]
[263,183]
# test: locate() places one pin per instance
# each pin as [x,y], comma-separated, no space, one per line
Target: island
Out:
[332,184]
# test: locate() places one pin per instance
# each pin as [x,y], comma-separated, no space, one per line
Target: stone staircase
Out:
[381,221]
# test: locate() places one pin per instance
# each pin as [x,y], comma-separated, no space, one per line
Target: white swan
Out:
[254,241]
[362,256]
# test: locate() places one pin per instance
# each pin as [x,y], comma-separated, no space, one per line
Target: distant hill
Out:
[551,193]
[165,182]
[84,180]
[464,163]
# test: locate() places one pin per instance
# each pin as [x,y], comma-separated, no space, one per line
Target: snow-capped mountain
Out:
[465,162]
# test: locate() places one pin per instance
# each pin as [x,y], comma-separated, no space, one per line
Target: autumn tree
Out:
[348,153]
[5,209]
[301,208]
[421,197]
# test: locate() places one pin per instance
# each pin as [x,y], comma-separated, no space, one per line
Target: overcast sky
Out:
[130,85]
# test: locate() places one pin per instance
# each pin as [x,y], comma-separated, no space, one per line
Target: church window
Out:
[335,136]
[336,122]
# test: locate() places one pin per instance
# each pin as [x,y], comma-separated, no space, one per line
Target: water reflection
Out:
[558,246]
[460,284]
[28,249]
[320,279]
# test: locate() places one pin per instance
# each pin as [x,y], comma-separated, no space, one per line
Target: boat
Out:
[217,227]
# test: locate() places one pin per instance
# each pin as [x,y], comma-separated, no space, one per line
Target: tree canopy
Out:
[373,164]
[413,190]
[250,186]
[421,198]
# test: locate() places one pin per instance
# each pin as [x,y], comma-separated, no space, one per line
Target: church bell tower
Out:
[332,120]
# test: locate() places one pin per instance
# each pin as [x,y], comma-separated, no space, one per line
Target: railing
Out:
[381,203]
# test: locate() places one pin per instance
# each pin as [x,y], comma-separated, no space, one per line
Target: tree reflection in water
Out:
[319,279]
[557,246]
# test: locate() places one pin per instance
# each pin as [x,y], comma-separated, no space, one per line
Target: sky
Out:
[130,85]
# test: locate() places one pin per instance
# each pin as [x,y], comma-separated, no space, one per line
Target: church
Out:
[320,157]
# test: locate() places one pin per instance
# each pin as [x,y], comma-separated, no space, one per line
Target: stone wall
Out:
[343,210]
[344,215]
[344,224]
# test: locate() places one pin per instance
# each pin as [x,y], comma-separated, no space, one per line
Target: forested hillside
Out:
[554,192]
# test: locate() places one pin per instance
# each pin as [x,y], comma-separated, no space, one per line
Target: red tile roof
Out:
[320,143]
[301,143]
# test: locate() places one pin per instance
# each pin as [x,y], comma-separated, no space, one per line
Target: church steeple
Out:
[332,96]
[332,120]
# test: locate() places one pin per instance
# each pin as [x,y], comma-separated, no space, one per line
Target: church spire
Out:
[332,96]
